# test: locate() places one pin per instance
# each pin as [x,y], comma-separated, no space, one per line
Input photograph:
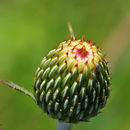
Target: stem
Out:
[63,126]
[19,88]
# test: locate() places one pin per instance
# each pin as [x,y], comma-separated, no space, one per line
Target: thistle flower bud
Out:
[71,83]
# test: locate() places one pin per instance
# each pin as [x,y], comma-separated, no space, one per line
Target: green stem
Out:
[63,126]
[19,88]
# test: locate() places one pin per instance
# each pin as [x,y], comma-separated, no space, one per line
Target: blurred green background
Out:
[30,28]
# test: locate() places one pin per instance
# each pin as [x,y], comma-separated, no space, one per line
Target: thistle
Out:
[71,84]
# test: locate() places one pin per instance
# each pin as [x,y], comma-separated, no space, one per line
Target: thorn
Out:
[81,72]
[82,39]
[72,39]
[89,41]
[76,80]
[107,62]
[86,62]
[65,61]
[93,53]
[84,85]
[99,61]
[86,96]
[98,47]
[79,103]
[76,65]
[57,63]
[46,55]
[108,85]
[61,74]
[71,71]
[71,32]
[109,75]
[91,77]
[67,97]
[105,78]
[75,57]
[93,69]
[67,53]
[94,43]
[66,39]
[93,89]
[105,96]
[69,43]
[57,56]
[91,45]
[104,57]
[56,46]
[73,49]
[93,60]
[62,47]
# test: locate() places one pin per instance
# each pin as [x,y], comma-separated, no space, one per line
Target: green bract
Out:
[72,82]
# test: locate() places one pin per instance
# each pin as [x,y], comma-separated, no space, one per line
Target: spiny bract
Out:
[72,82]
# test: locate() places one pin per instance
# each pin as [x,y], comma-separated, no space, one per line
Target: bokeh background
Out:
[30,28]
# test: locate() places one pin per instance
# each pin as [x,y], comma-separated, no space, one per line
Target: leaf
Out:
[19,88]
